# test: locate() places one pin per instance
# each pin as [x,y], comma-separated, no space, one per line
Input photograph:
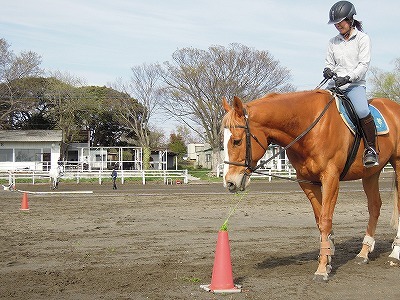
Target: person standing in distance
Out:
[114,176]
[346,64]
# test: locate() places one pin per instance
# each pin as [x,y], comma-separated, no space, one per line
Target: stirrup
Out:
[370,158]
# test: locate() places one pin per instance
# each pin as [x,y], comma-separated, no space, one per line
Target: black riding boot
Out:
[370,155]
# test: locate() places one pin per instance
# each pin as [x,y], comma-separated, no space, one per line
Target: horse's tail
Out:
[394,222]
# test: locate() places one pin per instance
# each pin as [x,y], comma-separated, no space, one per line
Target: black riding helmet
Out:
[341,10]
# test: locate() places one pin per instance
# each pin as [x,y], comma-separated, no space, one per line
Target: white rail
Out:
[168,176]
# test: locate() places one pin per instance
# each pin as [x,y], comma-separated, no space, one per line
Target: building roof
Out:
[30,135]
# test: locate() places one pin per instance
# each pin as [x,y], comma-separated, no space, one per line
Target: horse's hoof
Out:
[321,277]
[359,260]
[393,261]
[328,269]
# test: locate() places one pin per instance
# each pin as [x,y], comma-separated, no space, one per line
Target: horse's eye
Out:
[237,142]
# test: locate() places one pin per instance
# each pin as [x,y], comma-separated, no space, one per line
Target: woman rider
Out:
[348,58]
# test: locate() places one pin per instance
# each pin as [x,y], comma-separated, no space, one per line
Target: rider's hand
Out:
[339,81]
[328,73]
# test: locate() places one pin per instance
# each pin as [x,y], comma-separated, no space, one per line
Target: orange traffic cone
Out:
[24,202]
[222,279]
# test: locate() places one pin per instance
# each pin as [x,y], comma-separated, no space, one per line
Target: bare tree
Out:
[144,89]
[187,134]
[386,84]
[13,68]
[196,80]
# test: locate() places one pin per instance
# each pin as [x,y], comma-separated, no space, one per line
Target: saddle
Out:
[350,118]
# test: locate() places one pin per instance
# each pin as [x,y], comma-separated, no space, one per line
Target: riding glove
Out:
[339,81]
[328,73]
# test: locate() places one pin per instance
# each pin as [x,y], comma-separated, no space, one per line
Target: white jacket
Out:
[349,57]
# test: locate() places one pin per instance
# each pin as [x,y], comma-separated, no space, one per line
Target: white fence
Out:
[288,172]
[168,176]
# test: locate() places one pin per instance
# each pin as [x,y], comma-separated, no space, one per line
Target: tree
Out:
[176,144]
[104,126]
[32,109]
[196,80]
[386,84]
[85,113]
[69,106]
[187,135]
[14,68]
[136,111]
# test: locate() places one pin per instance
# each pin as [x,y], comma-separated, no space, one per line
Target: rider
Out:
[348,57]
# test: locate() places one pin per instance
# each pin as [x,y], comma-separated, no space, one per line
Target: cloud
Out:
[104,39]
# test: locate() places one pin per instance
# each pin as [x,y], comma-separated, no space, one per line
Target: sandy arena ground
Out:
[158,242]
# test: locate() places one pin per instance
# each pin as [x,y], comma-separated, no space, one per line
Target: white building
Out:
[29,149]
[201,156]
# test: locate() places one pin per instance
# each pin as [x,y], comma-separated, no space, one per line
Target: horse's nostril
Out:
[231,186]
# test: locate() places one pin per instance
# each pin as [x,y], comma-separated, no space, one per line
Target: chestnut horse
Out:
[317,143]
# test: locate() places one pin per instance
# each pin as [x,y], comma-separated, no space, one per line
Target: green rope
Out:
[224,226]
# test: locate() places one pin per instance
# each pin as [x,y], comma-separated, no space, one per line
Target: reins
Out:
[248,146]
[321,84]
[307,130]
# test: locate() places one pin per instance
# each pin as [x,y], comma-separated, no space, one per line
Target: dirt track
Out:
[158,242]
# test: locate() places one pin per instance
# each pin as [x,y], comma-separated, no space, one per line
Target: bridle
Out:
[247,163]
[248,158]
[249,135]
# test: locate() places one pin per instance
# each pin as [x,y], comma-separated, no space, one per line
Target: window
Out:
[208,157]
[6,154]
[100,157]
[22,155]
[46,154]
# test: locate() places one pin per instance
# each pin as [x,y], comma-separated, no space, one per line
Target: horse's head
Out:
[244,145]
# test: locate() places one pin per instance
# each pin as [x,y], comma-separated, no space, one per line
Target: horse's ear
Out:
[238,106]
[226,105]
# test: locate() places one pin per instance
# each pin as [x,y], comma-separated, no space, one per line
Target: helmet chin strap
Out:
[346,35]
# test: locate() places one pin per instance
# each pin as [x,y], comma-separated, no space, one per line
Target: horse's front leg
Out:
[371,189]
[330,190]
[327,248]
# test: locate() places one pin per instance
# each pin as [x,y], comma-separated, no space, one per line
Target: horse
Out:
[317,143]
[55,174]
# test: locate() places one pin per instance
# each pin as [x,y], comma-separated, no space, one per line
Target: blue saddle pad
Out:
[380,122]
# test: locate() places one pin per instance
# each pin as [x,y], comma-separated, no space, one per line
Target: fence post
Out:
[99,176]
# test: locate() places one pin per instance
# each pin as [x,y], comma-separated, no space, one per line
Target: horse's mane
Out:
[229,120]
[270,95]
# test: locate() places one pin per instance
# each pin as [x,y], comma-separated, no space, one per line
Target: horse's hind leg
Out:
[395,255]
[371,188]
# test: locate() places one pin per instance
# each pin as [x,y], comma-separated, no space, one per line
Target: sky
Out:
[100,41]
